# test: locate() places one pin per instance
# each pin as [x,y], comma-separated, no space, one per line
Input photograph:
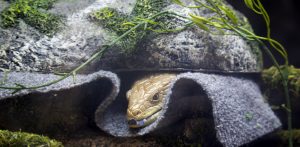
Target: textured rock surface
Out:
[239,111]
[25,49]
[3,4]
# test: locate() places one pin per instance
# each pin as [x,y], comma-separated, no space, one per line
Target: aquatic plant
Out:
[148,17]
[29,11]
[272,78]
[119,23]
[19,139]
[284,137]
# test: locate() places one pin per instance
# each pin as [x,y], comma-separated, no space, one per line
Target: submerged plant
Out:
[29,11]
[120,23]
[272,77]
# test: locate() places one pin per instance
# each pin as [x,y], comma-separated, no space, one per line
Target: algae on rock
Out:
[30,11]
[273,79]
[8,138]
[119,23]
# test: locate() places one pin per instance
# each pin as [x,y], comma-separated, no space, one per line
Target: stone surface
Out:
[3,4]
[25,49]
[239,111]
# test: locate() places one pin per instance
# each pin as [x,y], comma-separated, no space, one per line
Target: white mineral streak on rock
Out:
[233,47]
[79,28]
[73,37]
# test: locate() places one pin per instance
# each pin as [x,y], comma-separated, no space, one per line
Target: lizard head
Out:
[145,99]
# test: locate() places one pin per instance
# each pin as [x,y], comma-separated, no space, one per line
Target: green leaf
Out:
[147,20]
[60,74]
[230,14]
[128,24]
[217,25]
[195,7]
[249,3]
[252,6]
[200,22]
[178,2]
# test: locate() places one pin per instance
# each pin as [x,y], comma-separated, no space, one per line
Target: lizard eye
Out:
[155,98]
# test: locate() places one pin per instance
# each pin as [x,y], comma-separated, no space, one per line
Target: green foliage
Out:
[284,137]
[29,11]
[272,77]
[120,23]
[146,8]
[257,7]
[19,139]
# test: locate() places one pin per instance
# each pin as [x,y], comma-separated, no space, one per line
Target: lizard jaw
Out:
[134,123]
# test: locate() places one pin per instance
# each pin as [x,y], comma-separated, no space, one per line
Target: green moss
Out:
[273,79]
[284,136]
[19,139]
[146,8]
[30,11]
[120,23]
[111,19]
[117,23]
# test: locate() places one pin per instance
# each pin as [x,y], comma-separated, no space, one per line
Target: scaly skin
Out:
[145,99]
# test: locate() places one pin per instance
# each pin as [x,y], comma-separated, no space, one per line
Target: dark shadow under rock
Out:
[57,112]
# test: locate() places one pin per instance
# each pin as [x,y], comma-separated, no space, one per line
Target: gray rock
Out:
[3,5]
[192,49]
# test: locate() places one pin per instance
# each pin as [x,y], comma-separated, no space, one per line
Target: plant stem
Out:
[286,92]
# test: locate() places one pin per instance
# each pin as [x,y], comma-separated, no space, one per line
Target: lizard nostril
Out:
[134,112]
[137,112]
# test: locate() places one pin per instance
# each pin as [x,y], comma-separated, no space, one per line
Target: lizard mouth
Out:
[134,123]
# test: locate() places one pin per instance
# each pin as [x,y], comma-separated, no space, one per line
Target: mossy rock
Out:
[284,137]
[30,12]
[273,79]
[20,139]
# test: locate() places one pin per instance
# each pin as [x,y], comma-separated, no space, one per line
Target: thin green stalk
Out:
[286,92]
[283,52]
[270,40]
[206,6]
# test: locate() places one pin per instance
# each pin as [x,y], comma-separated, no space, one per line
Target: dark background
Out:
[285,23]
